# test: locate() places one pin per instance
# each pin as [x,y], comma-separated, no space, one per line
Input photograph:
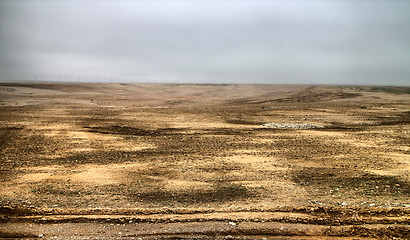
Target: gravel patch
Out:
[291,125]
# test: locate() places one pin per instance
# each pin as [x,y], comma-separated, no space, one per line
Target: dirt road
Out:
[149,161]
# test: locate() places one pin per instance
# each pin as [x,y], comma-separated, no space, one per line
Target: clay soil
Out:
[156,161]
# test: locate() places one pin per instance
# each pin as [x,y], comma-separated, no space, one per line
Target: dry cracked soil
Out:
[163,161]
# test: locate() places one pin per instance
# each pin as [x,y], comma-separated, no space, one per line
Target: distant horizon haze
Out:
[48,82]
[312,42]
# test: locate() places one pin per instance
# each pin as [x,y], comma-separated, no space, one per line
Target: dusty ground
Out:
[130,161]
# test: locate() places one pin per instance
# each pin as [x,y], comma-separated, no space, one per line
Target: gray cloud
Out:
[360,42]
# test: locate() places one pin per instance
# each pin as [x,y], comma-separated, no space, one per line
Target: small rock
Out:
[41,235]
[232,223]
[344,204]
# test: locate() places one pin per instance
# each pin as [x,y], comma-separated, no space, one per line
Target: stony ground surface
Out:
[154,161]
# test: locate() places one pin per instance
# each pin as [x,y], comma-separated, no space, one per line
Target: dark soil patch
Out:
[16,235]
[218,193]
[391,89]
[243,122]
[362,183]
[307,97]
[401,119]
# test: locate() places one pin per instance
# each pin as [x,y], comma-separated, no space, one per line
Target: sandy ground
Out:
[157,161]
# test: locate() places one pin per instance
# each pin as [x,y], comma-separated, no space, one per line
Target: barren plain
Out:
[163,161]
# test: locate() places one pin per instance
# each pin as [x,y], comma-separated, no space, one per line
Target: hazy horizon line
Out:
[192,83]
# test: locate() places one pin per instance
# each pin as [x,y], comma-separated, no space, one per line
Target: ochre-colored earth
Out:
[157,161]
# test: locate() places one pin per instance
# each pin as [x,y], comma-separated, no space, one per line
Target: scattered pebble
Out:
[232,223]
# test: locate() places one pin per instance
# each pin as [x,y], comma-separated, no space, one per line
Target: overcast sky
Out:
[247,41]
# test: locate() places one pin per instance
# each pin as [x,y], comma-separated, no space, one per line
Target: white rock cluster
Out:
[291,125]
